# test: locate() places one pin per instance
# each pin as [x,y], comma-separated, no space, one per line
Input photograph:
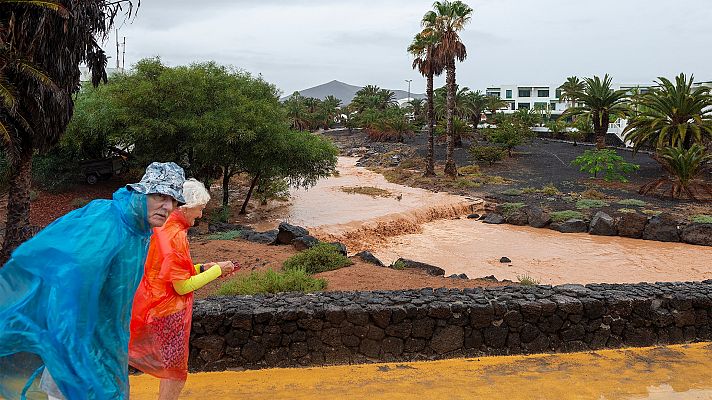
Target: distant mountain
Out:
[345,92]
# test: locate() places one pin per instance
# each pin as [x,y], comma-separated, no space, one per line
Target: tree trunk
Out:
[600,127]
[243,210]
[450,167]
[226,185]
[430,168]
[17,226]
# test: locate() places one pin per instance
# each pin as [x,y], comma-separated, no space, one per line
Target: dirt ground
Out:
[360,276]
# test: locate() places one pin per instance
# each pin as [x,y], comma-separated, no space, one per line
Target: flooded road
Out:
[430,227]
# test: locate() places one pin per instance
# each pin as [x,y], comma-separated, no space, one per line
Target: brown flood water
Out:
[430,227]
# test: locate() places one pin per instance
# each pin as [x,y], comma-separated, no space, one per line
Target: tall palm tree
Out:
[297,112]
[42,44]
[448,18]
[600,101]
[671,115]
[416,106]
[422,49]
[571,90]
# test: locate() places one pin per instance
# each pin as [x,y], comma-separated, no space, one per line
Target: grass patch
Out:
[469,170]
[527,280]
[509,208]
[529,190]
[592,194]
[512,192]
[228,235]
[652,212]
[550,190]
[320,258]
[628,210]
[79,202]
[366,190]
[463,183]
[293,280]
[702,219]
[585,204]
[632,203]
[399,265]
[560,216]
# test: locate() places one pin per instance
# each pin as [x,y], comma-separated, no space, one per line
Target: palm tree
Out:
[494,103]
[601,102]
[475,104]
[297,112]
[42,44]
[671,115]
[422,49]
[330,105]
[447,19]
[416,106]
[571,90]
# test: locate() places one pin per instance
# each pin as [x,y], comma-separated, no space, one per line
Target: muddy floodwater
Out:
[431,227]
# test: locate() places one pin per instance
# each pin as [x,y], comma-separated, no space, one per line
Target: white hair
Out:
[195,193]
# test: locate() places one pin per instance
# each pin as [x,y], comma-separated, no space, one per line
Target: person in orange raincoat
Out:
[163,304]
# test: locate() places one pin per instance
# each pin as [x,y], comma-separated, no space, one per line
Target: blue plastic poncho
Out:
[66,296]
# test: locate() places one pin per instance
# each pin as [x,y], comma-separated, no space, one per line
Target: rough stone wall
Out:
[358,327]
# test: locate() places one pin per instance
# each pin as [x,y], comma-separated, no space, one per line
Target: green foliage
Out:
[509,208]
[685,164]
[550,190]
[512,131]
[229,235]
[613,166]
[272,188]
[585,204]
[671,115]
[389,124]
[398,264]
[560,216]
[702,219]
[632,202]
[487,153]
[627,210]
[220,214]
[320,258]
[292,280]
[527,280]
[512,192]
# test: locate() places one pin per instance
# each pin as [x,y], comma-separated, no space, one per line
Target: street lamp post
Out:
[409,81]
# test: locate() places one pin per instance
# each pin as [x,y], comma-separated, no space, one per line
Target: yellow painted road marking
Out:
[671,372]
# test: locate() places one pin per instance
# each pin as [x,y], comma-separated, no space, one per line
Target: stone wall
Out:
[357,327]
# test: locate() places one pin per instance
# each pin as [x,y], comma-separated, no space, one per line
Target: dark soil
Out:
[543,162]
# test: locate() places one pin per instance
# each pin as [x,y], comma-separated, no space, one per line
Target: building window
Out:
[493,94]
[510,105]
[523,106]
[509,94]
[552,106]
[558,93]
[525,93]
[542,93]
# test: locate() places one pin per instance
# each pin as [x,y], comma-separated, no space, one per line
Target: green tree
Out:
[448,19]
[601,102]
[571,90]
[42,44]
[494,103]
[297,112]
[429,66]
[475,104]
[671,115]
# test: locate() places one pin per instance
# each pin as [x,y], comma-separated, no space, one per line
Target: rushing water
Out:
[430,227]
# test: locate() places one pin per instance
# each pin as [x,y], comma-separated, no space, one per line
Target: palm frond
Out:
[45,4]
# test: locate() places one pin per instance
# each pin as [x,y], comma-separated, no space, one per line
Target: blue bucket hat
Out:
[163,178]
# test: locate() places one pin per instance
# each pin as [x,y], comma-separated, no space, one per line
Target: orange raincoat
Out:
[161,318]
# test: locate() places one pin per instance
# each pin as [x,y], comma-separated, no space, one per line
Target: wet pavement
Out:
[671,372]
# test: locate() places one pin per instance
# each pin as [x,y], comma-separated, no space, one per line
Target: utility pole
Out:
[117,48]
[123,55]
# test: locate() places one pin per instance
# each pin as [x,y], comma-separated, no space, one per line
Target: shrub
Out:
[592,194]
[469,170]
[560,216]
[398,264]
[221,214]
[366,190]
[487,153]
[652,212]
[509,208]
[320,258]
[463,183]
[584,204]
[529,190]
[632,202]
[702,219]
[293,280]
[627,210]
[685,165]
[527,280]
[550,190]
[613,166]
[512,192]
[229,235]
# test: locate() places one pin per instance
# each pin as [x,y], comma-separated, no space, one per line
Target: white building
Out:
[85,74]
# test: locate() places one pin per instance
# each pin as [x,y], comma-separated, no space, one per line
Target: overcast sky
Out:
[297,44]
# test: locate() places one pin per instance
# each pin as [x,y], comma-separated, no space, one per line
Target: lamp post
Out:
[409,81]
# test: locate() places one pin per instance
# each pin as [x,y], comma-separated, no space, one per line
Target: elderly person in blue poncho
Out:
[66,294]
